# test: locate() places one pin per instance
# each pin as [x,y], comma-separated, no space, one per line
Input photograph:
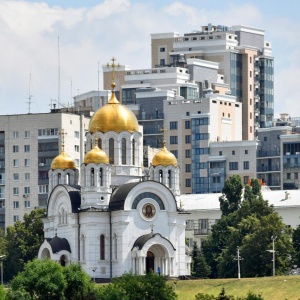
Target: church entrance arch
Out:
[150,262]
[63,260]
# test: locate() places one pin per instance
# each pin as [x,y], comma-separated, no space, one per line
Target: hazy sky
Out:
[92,32]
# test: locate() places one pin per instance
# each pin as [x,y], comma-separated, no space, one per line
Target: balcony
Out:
[290,166]
[204,231]
[2,181]
[262,153]
[268,168]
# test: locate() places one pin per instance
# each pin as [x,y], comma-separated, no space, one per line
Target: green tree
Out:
[136,287]
[250,226]
[199,266]
[42,279]
[232,195]
[296,244]
[22,242]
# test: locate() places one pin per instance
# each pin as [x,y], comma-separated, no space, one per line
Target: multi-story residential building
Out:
[244,59]
[28,144]
[192,125]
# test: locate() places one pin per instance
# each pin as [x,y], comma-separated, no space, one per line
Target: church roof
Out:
[119,195]
[58,244]
[142,240]
[74,194]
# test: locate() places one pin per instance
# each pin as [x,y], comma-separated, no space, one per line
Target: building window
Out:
[233,152]
[26,148]
[173,125]
[102,247]
[265,138]
[16,204]
[76,148]
[246,179]
[133,152]
[16,134]
[26,190]
[162,49]
[288,175]
[187,113]
[187,168]
[26,134]
[246,165]
[43,189]
[76,134]
[189,224]
[16,176]
[246,151]
[16,163]
[187,124]
[27,176]
[27,204]
[162,62]
[173,140]
[295,175]
[233,166]
[187,139]
[27,162]
[16,218]
[187,153]
[188,183]
[15,149]
[16,191]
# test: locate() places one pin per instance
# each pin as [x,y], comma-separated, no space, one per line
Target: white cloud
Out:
[119,28]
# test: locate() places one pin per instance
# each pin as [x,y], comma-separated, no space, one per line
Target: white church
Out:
[115,221]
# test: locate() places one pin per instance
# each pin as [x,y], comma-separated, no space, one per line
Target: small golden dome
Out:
[96,156]
[113,117]
[164,158]
[63,161]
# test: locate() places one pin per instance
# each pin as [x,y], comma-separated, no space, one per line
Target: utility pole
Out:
[238,258]
[273,238]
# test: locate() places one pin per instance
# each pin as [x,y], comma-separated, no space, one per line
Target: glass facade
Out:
[236,75]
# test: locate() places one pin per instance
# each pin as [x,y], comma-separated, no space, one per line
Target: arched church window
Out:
[100,143]
[170,178]
[123,151]
[111,151]
[133,152]
[92,177]
[59,218]
[102,247]
[91,144]
[68,178]
[58,178]
[161,176]
[101,176]
[62,216]
[115,246]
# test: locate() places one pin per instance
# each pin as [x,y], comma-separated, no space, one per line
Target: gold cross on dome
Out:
[62,133]
[113,65]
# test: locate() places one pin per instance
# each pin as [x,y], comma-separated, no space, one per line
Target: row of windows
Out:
[48,132]
[233,152]
[16,134]
[26,190]
[16,204]
[26,162]
[16,148]
[174,126]
[235,165]
[16,176]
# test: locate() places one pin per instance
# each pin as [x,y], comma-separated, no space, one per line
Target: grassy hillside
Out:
[271,288]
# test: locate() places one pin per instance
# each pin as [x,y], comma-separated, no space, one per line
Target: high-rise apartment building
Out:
[245,60]
[28,144]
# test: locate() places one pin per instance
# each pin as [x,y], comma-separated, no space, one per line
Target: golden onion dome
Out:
[96,156]
[113,117]
[63,161]
[164,158]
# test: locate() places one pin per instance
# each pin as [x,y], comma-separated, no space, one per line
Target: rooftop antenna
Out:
[51,103]
[98,83]
[58,92]
[72,100]
[29,94]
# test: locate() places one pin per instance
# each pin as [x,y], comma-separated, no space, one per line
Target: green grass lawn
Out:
[271,288]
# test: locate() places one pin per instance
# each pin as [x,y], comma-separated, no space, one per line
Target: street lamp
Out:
[2,257]
[273,238]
